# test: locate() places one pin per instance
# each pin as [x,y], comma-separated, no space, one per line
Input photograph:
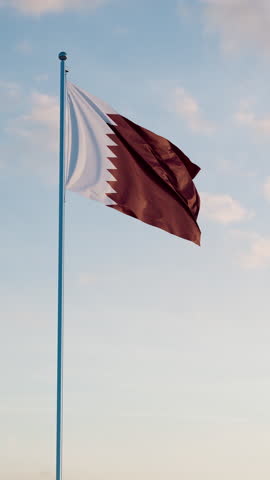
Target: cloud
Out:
[257,254]
[266,188]
[39,121]
[246,118]
[40,125]
[240,23]
[34,135]
[234,166]
[39,7]
[223,209]
[187,107]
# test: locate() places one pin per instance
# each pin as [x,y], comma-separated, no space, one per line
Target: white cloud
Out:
[257,254]
[240,23]
[234,166]
[39,7]
[266,188]
[186,106]
[41,124]
[223,209]
[246,118]
[34,135]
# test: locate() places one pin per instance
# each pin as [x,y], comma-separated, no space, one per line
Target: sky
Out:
[166,356]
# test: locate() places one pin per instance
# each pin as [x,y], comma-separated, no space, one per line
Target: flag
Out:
[129,168]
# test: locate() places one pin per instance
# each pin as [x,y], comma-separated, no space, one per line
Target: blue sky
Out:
[166,344]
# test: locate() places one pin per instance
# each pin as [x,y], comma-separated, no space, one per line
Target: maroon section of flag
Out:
[126,167]
[153,180]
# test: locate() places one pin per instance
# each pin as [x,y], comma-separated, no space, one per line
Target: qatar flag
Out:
[129,168]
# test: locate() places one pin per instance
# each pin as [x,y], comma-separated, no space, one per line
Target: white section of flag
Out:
[87,148]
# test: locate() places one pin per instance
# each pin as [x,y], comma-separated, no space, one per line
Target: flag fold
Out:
[129,168]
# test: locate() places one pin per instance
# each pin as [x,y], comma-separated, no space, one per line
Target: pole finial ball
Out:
[62,56]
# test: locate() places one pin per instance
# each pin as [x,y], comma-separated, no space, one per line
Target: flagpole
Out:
[59,420]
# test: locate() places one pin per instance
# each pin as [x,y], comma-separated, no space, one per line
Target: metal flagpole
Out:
[59,421]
